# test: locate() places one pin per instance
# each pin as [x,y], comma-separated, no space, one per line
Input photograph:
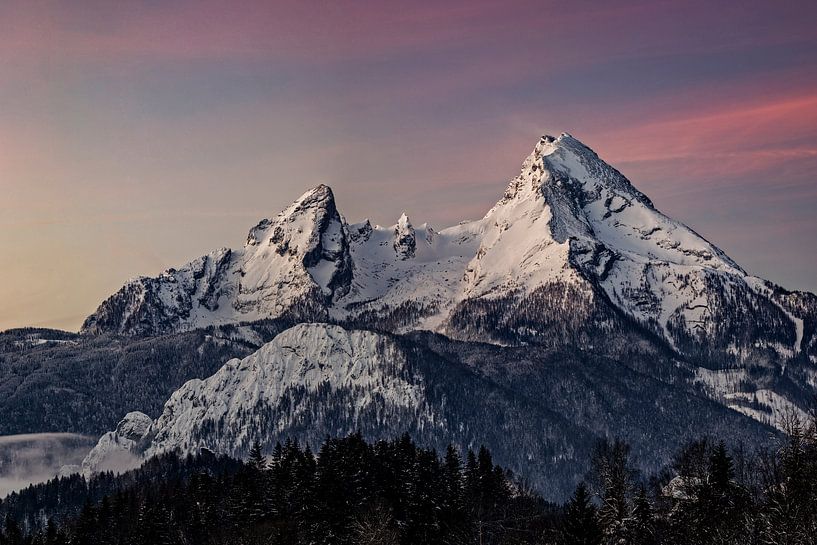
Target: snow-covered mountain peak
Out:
[310,234]
[565,166]
[585,199]
[319,194]
[306,209]
[570,219]
[570,235]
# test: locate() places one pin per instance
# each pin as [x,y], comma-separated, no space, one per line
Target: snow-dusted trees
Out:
[256,459]
[613,479]
[704,503]
[789,514]
[642,529]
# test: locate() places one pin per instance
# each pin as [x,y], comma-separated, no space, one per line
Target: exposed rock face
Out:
[405,240]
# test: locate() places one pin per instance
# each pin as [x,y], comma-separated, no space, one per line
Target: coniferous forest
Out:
[396,492]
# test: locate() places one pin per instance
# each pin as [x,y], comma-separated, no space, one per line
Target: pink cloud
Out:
[732,138]
[325,31]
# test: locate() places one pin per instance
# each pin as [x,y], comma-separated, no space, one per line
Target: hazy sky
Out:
[135,136]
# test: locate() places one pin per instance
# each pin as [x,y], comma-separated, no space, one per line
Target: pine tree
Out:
[277,454]
[423,507]
[642,528]
[721,468]
[580,524]
[713,508]
[256,458]
[52,536]
[452,517]
[471,475]
[154,526]
[722,502]
[453,483]
[85,531]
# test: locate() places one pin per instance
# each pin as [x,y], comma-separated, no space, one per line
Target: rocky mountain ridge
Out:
[569,228]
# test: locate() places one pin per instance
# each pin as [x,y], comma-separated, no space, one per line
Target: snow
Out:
[762,404]
[431,277]
[118,450]
[777,408]
[310,356]
[655,267]
[761,287]
[35,340]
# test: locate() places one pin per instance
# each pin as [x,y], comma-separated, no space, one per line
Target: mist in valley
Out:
[37,457]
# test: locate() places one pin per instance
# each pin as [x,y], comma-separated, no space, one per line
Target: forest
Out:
[395,492]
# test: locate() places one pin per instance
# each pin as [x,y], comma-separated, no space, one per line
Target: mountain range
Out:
[572,310]
[571,249]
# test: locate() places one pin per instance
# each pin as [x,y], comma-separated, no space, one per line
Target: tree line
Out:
[395,492]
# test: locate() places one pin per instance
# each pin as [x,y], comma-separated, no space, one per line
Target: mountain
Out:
[539,411]
[571,255]
[572,311]
[568,228]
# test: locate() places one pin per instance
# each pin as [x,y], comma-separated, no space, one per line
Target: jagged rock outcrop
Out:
[405,240]
[294,265]
[118,450]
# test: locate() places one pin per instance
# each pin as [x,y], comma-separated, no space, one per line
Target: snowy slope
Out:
[303,360]
[655,269]
[271,391]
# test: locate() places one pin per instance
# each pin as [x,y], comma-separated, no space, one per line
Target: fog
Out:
[118,461]
[37,457]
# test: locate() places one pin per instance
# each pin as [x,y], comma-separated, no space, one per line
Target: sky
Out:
[135,136]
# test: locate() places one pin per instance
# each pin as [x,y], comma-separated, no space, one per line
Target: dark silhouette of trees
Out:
[354,492]
[581,525]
